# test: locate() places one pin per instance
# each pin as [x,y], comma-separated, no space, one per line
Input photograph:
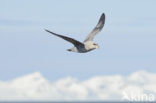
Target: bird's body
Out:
[83,48]
[88,43]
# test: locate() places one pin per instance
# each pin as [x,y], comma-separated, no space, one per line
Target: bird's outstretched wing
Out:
[71,40]
[97,29]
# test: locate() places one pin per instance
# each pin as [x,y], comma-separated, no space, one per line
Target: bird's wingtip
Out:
[45,29]
[103,14]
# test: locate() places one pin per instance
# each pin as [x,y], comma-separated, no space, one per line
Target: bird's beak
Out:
[97,47]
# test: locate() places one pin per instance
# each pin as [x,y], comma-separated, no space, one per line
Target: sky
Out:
[127,41]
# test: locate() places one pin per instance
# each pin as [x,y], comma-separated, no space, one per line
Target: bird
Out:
[88,44]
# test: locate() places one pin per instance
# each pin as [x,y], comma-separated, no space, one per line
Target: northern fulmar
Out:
[88,44]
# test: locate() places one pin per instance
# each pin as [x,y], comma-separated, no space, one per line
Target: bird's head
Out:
[95,45]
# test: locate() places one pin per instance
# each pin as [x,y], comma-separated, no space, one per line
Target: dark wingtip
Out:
[46,30]
[102,18]
[103,15]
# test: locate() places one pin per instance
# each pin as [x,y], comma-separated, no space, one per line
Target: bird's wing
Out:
[71,40]
[97,29]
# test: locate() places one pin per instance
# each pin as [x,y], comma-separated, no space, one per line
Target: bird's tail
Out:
[69,50]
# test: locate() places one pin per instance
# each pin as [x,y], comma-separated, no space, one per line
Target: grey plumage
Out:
[88,43]
[71,40]
[97,29]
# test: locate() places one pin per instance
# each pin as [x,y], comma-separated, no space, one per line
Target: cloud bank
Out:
[140,85]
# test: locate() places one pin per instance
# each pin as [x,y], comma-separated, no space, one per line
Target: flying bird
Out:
[88,44]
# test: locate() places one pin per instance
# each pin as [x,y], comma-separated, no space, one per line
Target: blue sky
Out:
[127,41]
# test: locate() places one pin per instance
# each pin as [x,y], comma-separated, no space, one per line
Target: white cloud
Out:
[140,85]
